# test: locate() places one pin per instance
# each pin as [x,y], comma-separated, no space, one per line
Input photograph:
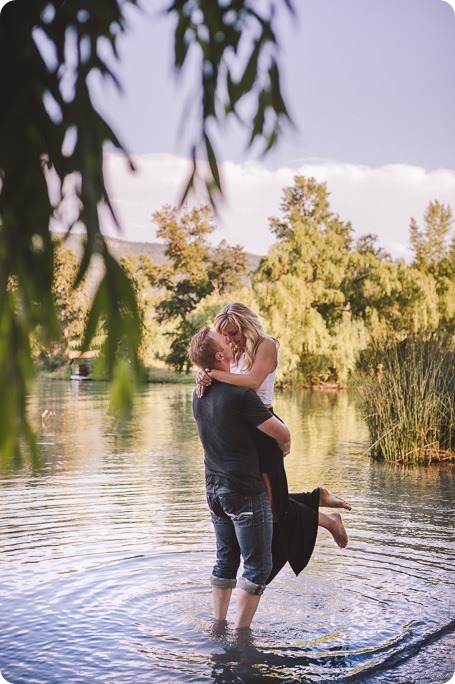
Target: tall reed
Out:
[409,391]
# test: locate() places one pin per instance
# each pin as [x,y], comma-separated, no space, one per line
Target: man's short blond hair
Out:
[203,347]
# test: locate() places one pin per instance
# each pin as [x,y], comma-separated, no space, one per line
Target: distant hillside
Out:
[120,248]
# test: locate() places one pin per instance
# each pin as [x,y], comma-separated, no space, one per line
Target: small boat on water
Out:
[80,371]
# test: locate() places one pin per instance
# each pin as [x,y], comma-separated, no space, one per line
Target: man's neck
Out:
[222,366]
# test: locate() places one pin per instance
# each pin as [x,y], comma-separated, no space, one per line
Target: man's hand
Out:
[278,430]
[285,447]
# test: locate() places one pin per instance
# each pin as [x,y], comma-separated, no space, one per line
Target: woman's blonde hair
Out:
[250,326]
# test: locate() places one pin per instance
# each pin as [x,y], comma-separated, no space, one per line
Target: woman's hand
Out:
[203,380]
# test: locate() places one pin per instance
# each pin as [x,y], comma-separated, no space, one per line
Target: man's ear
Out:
[219,356]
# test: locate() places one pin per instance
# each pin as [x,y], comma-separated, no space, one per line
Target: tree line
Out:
[324,294]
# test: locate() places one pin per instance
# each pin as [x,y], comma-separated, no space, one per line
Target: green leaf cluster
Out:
[51,153]
[235,46]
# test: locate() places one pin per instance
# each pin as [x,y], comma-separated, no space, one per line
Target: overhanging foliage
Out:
[49,129]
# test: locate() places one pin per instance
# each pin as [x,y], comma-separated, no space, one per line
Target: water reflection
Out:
[107,547]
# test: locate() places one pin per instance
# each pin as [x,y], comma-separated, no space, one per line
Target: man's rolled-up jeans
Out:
[243,528]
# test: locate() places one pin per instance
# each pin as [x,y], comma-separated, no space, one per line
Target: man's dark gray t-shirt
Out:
[227,417]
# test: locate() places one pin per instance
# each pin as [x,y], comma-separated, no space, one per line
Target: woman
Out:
[296,516]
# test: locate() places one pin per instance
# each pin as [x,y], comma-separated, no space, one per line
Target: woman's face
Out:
[234,336]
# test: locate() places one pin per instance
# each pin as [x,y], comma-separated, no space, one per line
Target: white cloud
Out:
[452,5]
[375,200]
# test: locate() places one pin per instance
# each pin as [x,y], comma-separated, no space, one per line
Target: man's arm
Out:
[278,431]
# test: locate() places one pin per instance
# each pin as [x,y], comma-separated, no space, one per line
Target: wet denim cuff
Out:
[222,582]
[251,587]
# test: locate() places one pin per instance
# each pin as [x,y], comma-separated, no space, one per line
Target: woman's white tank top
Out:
[265,391]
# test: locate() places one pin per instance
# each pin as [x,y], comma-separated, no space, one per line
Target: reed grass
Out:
[409,392]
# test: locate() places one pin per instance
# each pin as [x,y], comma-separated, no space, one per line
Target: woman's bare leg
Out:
[334,524]
[268,486]
[329,500]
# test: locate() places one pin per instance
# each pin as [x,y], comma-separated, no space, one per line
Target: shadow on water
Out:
[236,658]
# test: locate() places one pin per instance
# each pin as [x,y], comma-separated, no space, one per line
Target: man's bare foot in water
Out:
[329,500]
[334,524]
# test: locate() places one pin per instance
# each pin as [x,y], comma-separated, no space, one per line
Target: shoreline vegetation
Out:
[166,375]
[409,395]
[400,447]
[408,391]
[332,300]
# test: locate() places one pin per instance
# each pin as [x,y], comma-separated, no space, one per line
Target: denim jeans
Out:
[243,528]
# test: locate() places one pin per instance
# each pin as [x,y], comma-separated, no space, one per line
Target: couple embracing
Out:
[254,516]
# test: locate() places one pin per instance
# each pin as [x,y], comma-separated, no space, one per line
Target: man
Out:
[227,417]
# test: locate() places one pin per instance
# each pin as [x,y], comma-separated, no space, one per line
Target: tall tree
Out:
[299,282]
[373,285]
[144,274]
[71,303]
[312,245]
[196,270]
[433,246]
[432,243]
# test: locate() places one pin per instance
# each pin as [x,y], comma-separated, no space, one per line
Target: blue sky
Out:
[367,82]
[370,85]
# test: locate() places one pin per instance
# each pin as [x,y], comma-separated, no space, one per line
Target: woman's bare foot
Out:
[334,524]
[329,500]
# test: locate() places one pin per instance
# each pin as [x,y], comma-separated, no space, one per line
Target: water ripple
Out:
[107,547]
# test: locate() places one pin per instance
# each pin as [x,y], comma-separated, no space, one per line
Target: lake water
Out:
[107,547]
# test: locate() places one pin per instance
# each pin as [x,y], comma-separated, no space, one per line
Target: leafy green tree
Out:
[432,243]
[313,245]
[144,274]
[327,297]
[389,296]
[416,305]
[299,282]
[195,271]
[51,147]
[434,254]
[71,304]
[371,280]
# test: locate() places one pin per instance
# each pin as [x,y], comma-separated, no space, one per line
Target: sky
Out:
[370,85]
